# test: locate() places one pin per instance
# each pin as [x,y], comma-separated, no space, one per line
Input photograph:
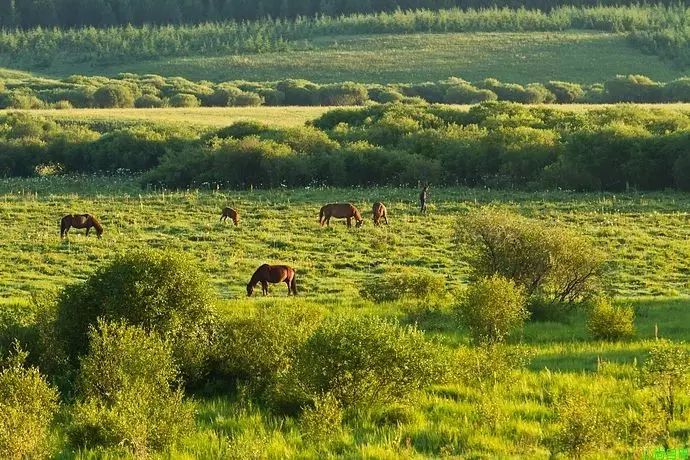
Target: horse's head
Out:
[359,223]
[99,232]
[250,289]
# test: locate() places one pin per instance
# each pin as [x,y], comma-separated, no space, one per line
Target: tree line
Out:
[103,13]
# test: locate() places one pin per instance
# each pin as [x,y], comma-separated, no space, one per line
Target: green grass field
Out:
[578,56]
[646,238]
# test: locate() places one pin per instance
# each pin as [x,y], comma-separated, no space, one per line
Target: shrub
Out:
[403,283]
[128,394]
[184,100]
[272,97]
[322,422]
[488,364]
[581,426]
[247,99]
[468,94]
[607,321]
[160,291]
[347,93]
[565,92]
[666,370]
[633,88]
[261,348]
[62,105]
[19,100]
[492,308]
[299,92]
[113,96]
[366,360]
[677,90]
[223,97]
[148,101]
[27,407]
[546,261]
[384,94]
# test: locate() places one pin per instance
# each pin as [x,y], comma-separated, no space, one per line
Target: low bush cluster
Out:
[403,283]
[152,91]
[493,144]
[608,321]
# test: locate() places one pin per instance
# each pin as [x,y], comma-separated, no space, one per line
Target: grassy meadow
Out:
[645,237]
[520,57]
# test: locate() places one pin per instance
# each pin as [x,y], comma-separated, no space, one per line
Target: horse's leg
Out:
[385,219]
[287,281]
[88,228]
[264,287]
[328,221]
[349,222]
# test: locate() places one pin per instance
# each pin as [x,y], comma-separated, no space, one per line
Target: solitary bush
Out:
[27,407]
[403,283]
[113,96]
[128,392]
[366,360]
[148,101]
[160,291]
[667,371]
[184,100]
[607,321]
[545,261]
[492,308]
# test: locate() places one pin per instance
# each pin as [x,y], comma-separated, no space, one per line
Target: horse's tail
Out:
[63,226]
[321,213]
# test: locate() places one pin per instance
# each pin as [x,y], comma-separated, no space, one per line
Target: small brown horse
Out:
[80,221]
[272,274]
[232,214]
[340,211]
[379,212]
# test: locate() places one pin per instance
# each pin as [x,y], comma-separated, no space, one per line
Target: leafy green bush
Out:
[492,308]
[323,421]
[184,100]
[364,360]
[160,291]
[148,101]
[565,92]
[633,88]
[403,283]
[113,96]
[347,93]
[581,426]
[223,97]
[247,99]
[27,407]
[261,348]
[667,372]
[19,100]
[127,392]
[488,364]
[607,321]
[545,261]
[468,94]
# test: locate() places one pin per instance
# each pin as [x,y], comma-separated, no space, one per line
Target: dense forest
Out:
[75,13]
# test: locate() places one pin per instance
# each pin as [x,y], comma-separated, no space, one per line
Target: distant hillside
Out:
[579,56]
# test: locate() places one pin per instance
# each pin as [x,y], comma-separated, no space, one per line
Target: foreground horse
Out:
[232,214]
[272,274]
[340,211]
[80,221]
[379,212]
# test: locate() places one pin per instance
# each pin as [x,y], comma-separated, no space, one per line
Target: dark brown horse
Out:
[232,214]
[379,212]
[272,274]
[423,197]
[340,211]
[80,221]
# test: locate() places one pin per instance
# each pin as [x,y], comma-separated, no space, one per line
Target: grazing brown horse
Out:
[80,221]
[340,211]
[423,197]
[232,214]
[379,211]
[272,274]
